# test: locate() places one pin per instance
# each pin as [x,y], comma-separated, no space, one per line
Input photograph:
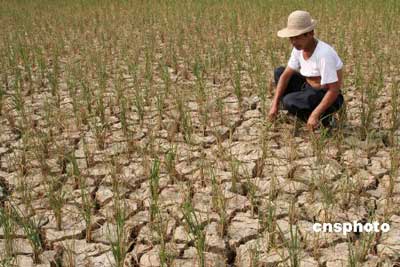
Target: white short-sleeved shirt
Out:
[323,62]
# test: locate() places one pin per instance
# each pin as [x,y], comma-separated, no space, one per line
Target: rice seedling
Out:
[205,117]
[359,251]
[72,86]
[24,185]
[132,145]
[219,103]
[89,155]
[170,162]
[49,114]
[53,75]
[165,256]
[293,242]
[118,238]
[8,231]
[394,168]
[234,165]
[160,102]
[352,260]
[166,78]
[2,97]
[195,230]
[291,147]
[262,87]
[74,172]
[139,102]
[154,189]
[158,224]
[31,230]
[41,62]
[56,197]
[369,93]
[294,246]
[62,157]
[151,145]
[394,116]
[86,95]
[100,108]
[274,189]
[8,261]
[264,141]
[328,196]
[346,192]
[339,135]
[201,94]
[236,83]
[149,54]
[24,56]
[202,165]
[86,206]
[42,146]
[68,257]
[123,108]
[219,203]
[160,228]
[252,195]
[255,255]
[267,221]
[58,257]
[187,127]
[319,142]
[18,103]
[100,132]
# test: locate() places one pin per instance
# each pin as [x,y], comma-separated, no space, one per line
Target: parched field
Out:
[134,133]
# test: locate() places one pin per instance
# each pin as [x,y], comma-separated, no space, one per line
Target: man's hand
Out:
[312,122]
[280,89]
[273,112]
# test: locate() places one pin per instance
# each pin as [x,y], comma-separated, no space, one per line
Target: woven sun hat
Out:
[299,22]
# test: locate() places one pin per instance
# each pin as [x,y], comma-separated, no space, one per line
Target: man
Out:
[309,87]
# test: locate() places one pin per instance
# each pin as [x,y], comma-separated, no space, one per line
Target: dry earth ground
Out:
[133,133]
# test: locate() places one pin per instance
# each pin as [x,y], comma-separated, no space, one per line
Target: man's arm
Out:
[280,89]
[329,98]
[327,101]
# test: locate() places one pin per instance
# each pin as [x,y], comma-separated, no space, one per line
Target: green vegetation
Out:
[176,94]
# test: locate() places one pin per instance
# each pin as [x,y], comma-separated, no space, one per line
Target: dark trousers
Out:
[301,99]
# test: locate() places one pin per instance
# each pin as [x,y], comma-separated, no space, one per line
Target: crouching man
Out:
[309,87]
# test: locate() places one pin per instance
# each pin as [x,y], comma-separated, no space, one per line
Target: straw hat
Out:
[299,22]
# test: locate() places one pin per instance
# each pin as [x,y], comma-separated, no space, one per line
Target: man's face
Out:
[301,41]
